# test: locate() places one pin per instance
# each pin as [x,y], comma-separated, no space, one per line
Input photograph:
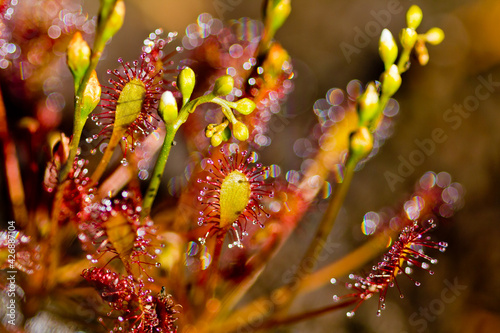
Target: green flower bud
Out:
[224,85]
[387,48]
[114,18]
[414,17]
[361,143]
[240,131]
[391,81]
[245,106]
[78,57]
[434,36]
[185,83]
[216,139]
[408,37]
[276,13]
[91,95]
[368,104]
[168,107]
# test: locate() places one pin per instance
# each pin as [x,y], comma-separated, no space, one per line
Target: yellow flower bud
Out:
[245,106]
[78,57]
[361,143]
[91,95]
[114,18]
[224,85]
[368,104]
[414,17]
[408,37]
[434,36]
[240,131]
[168,110]
[387,48]
[185,83]
[276,13]
[216,139]
[391,81]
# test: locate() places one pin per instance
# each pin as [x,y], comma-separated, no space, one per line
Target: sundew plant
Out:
[91,245]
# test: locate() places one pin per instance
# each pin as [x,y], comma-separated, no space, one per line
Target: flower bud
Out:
[387,48]
[168,107]
[224,85]
[216,139]
[368,104]
[91,95]
[276,13]
[414,17]
[245,106]
[78,57]
[434,36]
[408,37]
[210,130]
[114,18]
[391,81]
[361,143]
[185,83]
[422,52]
[240,131]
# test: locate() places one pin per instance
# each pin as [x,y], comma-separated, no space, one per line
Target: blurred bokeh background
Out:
[324,37]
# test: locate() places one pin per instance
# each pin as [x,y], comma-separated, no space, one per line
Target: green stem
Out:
[403,60]
[154,185]
[79,123]
[171,130]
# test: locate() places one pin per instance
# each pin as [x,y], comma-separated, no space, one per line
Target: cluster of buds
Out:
[217,132]
[375,97]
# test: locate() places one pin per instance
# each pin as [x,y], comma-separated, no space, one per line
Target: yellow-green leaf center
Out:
[234,196]
[130,103]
